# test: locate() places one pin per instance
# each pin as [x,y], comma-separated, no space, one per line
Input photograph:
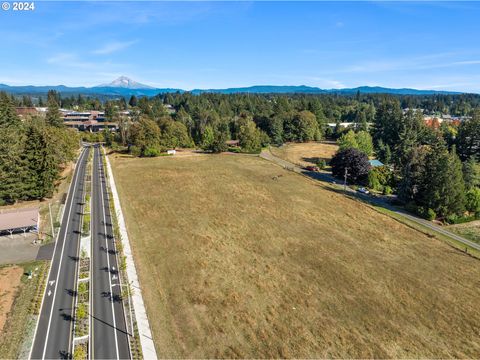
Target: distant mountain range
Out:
[123,86]
[125,83]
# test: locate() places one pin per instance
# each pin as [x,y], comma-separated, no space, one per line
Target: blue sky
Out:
[426,45]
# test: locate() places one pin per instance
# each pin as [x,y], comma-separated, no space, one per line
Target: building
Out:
[91,121]
[26,111]
[375,163]
[346,125]
[233,143]
[19,221]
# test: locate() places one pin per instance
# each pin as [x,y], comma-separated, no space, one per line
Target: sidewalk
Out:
[146,340]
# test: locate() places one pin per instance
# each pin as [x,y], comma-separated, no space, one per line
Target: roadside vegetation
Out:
[82,310]
[127,291]
[267,266]
[21,316]
[469,231]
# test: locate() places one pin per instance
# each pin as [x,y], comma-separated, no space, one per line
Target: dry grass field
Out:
[236,264]
[470,230]
[304,154]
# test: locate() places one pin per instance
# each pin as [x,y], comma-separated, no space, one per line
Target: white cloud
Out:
[113,47]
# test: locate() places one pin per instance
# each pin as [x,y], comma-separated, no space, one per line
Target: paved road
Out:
[322,176]
[54,332]
[108,333]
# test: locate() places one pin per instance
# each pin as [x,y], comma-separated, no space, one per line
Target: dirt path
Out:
[9,281]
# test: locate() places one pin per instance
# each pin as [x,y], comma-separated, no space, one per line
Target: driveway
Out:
[18,249]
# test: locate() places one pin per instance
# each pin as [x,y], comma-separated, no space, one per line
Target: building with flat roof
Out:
[92,121]
[19,220]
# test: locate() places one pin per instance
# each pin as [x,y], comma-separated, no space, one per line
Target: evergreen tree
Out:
[133,101]
[364,142]
[468,138]
[53,116]
[411,130]
[12,166]
[471,173]
[387,121]
[42,165]
[208,137]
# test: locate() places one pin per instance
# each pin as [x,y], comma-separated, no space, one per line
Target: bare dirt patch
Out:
[10,277]
[304,154]
[235,264]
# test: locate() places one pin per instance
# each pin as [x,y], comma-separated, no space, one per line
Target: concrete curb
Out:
[146,340]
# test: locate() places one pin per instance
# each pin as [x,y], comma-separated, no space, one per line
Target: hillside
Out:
[124,86]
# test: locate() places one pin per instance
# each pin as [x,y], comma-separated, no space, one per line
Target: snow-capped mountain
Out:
[126,83]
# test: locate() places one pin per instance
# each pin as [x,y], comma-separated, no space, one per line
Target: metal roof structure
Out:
[375,163]
[19,219]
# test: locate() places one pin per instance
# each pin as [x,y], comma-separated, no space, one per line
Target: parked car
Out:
[363,190]
[312,168]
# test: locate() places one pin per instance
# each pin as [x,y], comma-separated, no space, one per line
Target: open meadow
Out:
[304,154]
[240,258]
[469,230]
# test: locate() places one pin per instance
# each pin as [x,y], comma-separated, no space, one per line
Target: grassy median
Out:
[237,261]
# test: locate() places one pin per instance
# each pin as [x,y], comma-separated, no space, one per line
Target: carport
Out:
[19,220]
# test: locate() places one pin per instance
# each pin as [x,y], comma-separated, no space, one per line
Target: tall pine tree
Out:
[53,116]
[12,166]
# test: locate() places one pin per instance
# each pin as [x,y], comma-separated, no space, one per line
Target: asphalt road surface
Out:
[108,332]
[54,332]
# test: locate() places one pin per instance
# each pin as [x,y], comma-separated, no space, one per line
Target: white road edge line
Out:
[102,154]
[108,264]
[53,257]
[143,327]
[73,324]
[61,255]
[90,285]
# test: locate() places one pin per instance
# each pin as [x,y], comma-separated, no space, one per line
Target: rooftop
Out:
[18,218]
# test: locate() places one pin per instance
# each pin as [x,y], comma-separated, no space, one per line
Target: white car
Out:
[363,190]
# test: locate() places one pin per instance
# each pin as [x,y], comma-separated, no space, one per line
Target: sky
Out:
[187,45]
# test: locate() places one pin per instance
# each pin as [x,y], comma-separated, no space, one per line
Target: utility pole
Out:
[345,180]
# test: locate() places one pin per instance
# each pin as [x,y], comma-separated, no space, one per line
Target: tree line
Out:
[32,152]
[435,172]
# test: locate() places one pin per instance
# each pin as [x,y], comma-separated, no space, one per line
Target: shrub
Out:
[322,164]
[411,207]
[373,182]
[430,215]
[79,352]
[151,152]
[135,150]
[82,288]
[387,190]
[473,200]
[81,311]
[451,219]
